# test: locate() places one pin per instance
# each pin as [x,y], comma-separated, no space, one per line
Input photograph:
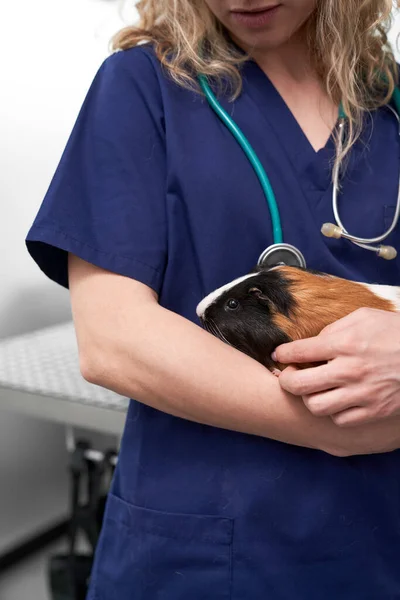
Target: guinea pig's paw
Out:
[275,372]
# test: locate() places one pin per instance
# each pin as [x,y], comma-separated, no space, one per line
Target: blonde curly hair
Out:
[348,41]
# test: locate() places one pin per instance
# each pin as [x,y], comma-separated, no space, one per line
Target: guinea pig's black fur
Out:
[242,315]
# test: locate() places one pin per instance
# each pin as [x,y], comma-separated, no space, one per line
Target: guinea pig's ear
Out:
[254,291]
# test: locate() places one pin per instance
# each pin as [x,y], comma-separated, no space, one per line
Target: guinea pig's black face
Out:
[242,313]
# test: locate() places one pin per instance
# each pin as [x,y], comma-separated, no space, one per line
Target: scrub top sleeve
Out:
[106,201]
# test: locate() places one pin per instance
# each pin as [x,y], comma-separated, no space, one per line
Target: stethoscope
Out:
[280,252]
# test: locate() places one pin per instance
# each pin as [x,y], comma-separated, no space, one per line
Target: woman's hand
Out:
[360,383]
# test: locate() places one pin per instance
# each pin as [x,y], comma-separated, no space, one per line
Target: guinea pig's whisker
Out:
[220,334]
[209,326]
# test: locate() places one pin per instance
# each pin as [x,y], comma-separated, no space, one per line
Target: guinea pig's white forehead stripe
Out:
[213,297]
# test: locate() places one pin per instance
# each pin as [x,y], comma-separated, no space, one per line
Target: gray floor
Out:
[28,580]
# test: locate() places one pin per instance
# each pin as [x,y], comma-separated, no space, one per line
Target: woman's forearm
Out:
[167,362]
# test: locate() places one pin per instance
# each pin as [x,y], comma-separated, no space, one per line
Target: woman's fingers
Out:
[311,381]
[316,349]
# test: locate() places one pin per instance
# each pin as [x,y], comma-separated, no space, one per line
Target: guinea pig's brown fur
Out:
[283,304]
[331,298]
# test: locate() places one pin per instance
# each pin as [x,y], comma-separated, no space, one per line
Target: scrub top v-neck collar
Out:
[313,167]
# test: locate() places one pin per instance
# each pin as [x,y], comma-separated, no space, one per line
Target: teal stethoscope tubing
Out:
[252,156]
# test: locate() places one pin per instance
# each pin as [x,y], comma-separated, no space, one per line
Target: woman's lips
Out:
[257,18]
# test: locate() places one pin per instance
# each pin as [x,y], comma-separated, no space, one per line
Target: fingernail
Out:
[273,356]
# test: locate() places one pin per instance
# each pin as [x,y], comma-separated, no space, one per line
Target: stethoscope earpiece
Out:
[330,230]
[387,252]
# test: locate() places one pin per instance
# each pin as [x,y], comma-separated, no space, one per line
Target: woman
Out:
[227,485]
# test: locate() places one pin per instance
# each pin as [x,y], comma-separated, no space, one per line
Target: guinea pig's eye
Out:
[232,304]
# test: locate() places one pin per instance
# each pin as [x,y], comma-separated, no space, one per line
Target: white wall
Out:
[50,50]
[395,31]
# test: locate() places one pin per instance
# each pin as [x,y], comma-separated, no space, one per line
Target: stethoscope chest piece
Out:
[281,254]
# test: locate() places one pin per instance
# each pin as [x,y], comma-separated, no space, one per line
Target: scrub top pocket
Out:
[145,554]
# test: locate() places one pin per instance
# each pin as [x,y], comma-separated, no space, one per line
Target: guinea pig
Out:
[268,307]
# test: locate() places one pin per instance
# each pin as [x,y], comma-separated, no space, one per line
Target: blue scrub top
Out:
[152,186]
